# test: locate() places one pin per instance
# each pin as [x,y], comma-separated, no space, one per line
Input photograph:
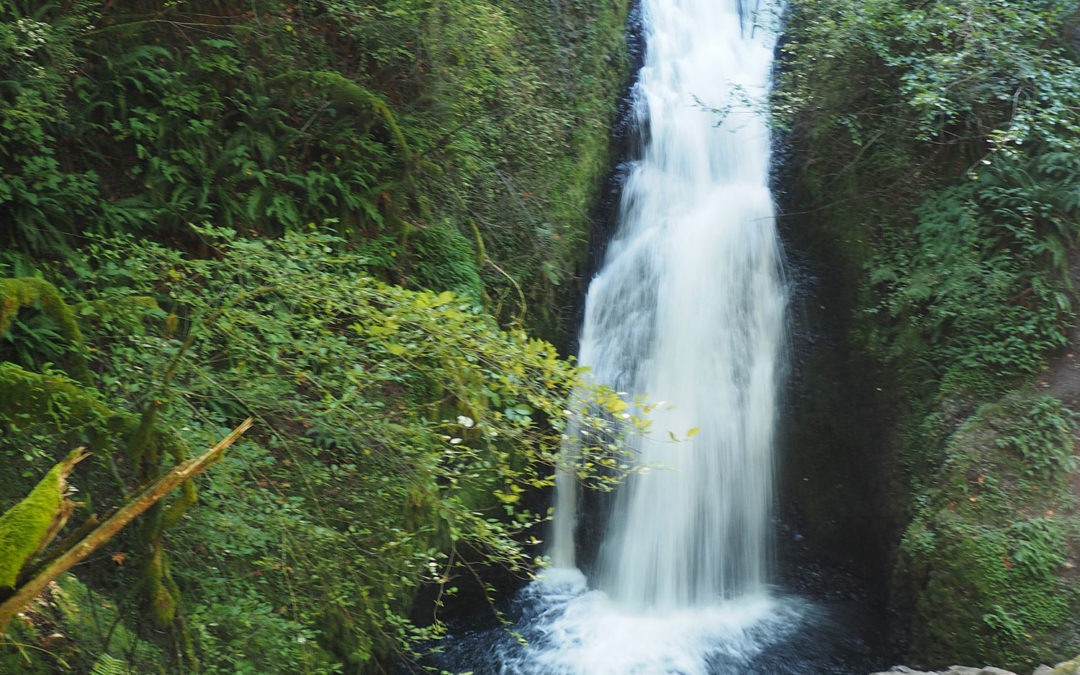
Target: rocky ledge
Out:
[1064,668]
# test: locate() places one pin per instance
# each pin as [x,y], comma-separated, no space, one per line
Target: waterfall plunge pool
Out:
[560,626]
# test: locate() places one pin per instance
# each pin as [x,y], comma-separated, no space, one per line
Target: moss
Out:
[127,312]
[24,292]
[983,564]
[1071,667]
[175,511]
[32,398]
[27,397]
[445,260]
[26,527]
[342,90]
[340,635]
[979,603]
[162,602]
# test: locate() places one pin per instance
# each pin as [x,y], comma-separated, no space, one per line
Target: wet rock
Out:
[954,670]
[1064,668]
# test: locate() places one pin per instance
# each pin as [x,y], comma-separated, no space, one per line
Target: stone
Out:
[1071,667]
[958,670]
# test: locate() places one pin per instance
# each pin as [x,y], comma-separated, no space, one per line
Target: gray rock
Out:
[954,670]
[1063,668]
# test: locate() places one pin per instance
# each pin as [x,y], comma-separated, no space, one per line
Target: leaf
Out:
[693,432]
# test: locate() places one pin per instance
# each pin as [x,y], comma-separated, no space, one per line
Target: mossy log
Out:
[16,294]
[28,527]
[28,397]
[143,500]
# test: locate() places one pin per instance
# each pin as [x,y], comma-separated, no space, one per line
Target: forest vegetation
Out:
[364,226]
[337,218]
[935,177]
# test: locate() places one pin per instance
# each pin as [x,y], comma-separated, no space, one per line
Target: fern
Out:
[109,665]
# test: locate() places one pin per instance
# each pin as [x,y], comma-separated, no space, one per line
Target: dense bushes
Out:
[322,214]
[396,432]
[422,128]
[937,145]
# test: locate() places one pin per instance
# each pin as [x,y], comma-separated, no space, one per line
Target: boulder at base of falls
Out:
[953,670]
[1071,667]
[1064,668]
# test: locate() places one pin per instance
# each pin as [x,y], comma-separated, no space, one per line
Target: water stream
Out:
[687,311]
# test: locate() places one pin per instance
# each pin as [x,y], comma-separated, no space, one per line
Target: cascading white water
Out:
[688,310]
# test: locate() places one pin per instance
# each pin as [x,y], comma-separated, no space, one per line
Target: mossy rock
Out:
[985,564]
[1065,668]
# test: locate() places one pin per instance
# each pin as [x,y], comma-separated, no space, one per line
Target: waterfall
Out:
[687,310]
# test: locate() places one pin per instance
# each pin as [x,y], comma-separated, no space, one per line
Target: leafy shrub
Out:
[397,434]
[1044,435]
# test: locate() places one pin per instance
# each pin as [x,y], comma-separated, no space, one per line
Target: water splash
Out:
[573,630]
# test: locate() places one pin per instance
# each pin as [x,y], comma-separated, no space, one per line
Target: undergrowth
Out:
[936,148]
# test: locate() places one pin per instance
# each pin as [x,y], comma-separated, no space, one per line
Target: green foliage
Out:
[82,632]
[58,335]
[938,143]
[109,665]
[39,192]
[376,120]
[983,274]
[963,71]
[43,415]
[1044,436]
[398,433]
[451,146]
[1005,612]
[945,167]
[988,547]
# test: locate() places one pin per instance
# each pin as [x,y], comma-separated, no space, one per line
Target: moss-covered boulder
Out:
[988,564]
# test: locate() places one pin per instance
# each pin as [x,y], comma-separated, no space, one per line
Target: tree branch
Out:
[146,498]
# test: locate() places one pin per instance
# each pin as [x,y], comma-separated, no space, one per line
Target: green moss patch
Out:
[24,526]
[987,559]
